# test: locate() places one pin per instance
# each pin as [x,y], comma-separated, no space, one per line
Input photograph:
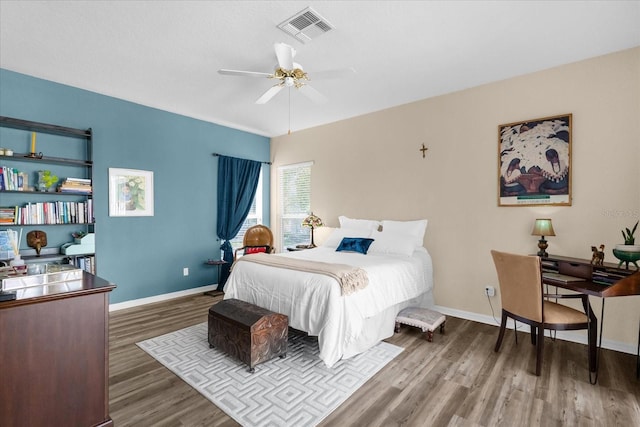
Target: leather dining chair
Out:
[523,299]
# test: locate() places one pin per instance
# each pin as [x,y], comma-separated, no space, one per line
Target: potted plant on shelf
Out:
[46,180]
[629,251]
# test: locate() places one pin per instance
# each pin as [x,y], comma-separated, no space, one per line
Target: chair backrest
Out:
[520,279]
[258,235]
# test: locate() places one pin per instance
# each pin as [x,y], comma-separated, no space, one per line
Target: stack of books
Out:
[76,185]
[7,215]
[609,276]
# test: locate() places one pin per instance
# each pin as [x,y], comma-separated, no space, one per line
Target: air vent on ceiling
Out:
[305,25]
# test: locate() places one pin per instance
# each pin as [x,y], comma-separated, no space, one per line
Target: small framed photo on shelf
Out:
[534,162]
[130,192]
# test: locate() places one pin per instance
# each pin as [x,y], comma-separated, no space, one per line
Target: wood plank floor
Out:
[456,380]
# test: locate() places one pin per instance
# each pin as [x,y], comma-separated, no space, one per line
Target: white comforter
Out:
[314,302]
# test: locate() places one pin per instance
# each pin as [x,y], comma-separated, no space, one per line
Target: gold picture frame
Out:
[534,162]
[130,192]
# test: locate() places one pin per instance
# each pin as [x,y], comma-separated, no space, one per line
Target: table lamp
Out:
[543,227]
[312,222]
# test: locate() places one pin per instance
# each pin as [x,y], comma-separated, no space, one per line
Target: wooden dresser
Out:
[54,357]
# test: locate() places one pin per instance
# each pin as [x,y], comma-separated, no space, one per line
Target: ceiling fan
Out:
[290,75]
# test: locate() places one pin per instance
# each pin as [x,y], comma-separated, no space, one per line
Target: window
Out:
[254,217]
[294,190]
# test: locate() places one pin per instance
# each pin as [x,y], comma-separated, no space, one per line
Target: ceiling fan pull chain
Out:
[289,112]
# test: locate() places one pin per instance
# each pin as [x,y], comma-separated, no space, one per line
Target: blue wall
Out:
[144,256]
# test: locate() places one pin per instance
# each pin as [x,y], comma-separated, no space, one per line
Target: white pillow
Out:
[338,234]
[358,224]
[388,243]
[415,229]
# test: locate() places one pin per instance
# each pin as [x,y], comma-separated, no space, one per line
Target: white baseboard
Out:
[573,336]
[163,297]
[578,337]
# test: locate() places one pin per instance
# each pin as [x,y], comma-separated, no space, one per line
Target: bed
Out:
[399,273]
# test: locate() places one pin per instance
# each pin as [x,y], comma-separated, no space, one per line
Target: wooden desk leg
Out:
[638,355]
[593,341]
[598,345]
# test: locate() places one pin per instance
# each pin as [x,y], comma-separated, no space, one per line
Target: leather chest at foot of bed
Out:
[247,332]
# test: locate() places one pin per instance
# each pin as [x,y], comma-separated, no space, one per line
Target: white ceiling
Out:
[165,54]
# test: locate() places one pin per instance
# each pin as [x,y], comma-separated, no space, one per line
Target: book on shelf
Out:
[7,215]
[76,185]
[11,179]
[86,263]
[49,213]
[78,180]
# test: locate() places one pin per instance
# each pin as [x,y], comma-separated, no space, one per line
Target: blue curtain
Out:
[237,184]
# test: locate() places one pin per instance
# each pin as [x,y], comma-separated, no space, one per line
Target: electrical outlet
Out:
[490,291]
[185,271]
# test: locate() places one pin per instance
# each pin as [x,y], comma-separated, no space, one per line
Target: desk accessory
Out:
[629,252]
[543,227]
[598,255]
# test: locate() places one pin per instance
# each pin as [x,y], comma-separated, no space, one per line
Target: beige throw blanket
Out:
[351,279]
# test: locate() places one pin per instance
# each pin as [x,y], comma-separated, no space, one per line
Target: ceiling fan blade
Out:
[332,74]
[312,94]
[244,73]
[285,54]
[273,91]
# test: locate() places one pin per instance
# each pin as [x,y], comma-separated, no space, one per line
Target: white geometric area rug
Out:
[298,390]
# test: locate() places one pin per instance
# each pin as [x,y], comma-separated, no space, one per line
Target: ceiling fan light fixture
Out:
[298,74]
[289,74]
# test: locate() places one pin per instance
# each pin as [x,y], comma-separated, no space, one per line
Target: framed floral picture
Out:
[534,162]
[130,192]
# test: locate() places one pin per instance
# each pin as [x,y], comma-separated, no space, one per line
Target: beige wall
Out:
[371,167]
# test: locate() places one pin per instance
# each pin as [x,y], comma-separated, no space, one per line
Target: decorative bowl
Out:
[627,257]
[628,248]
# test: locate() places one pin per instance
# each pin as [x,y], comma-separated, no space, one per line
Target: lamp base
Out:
[542,245]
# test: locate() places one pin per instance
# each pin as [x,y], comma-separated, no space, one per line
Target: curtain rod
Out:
[218,155]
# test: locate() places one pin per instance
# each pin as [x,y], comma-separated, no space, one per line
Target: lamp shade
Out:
[312,221]
[543,227]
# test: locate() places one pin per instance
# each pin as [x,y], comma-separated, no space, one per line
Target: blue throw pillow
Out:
[355,244]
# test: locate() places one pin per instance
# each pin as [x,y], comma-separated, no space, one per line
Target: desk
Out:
[55,356]
[624,283]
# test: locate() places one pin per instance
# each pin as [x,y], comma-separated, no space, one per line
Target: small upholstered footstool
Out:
[423,318]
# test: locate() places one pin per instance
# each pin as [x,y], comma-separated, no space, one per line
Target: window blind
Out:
[294,189]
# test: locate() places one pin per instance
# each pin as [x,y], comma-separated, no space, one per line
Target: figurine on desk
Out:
[598,255]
